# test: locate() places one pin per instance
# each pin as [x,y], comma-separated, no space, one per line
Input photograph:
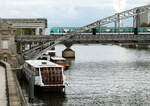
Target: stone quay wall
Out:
[15,96]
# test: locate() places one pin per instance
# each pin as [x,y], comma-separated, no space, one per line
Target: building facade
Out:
[7,43]
[28,26]
[145,18]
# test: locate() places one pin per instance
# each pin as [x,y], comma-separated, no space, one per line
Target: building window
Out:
[5,44]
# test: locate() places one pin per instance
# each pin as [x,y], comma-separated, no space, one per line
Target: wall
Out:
[14,92]
[7,34]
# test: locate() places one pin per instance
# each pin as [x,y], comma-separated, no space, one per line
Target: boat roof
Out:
[45,55]
[50,51]
[42,63]
[57,58]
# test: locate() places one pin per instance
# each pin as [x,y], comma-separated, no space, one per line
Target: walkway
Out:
[3,99]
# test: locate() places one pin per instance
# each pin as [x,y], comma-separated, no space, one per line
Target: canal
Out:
[103,75]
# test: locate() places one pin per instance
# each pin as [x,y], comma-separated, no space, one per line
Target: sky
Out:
[66,13]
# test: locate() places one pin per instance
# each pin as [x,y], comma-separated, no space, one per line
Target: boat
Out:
[50,55]
[47,74]
[60,61]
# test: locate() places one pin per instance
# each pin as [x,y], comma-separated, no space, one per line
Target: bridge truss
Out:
[36,52]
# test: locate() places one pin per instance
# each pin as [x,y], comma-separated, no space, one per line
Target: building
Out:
[28,26]
[7,43]
[145,18]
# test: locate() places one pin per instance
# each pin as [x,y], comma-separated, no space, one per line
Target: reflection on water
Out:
[104,76]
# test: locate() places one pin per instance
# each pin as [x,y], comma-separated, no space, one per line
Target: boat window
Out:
[144,30]
[49,69]
[41,69]
[44,58]
[60,61]
[54,61]
[51,54]
[37,69]
[37,72]
[59,69]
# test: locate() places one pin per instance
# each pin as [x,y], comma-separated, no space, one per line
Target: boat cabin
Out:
[47,74]
[60,61]
[51,53]
[47,55]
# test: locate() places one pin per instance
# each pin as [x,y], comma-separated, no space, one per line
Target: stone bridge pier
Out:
[68,52]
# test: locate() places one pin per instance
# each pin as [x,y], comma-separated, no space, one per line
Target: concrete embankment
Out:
[14,93]
[136,46]
[3,97]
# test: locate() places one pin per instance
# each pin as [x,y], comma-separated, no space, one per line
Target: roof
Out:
[57,58]
[42,63]
[14,21]
[50,51]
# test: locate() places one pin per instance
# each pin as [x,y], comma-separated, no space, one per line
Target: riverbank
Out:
[14,93]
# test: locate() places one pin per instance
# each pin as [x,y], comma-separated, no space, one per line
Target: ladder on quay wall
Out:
[36,52]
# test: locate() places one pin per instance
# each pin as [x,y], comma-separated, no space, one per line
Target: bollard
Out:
[31,89]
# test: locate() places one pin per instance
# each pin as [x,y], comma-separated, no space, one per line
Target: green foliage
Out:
[18,46]
[25,31]
[29,31]
[144,25]
[18,31]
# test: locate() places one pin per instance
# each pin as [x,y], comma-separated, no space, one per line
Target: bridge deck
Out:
[87,38]
[3,98]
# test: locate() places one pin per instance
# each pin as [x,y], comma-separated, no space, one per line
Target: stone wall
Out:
[7,44]
[15,96]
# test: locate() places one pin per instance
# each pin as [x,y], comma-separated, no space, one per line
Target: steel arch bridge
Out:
[135,13]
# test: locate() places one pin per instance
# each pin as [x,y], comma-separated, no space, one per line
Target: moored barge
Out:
[47,74]
[60,61]
[50,55]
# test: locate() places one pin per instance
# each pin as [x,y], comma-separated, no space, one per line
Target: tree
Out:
[144,25]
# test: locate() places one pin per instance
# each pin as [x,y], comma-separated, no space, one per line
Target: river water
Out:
[103,75]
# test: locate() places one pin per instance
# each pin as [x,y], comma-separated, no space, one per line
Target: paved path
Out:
[3,99]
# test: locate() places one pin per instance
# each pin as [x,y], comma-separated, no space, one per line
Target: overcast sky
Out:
[63,12]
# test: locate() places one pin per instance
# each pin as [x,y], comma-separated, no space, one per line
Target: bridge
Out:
[47,44]
[78,39]
[88,38]
[40,44]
